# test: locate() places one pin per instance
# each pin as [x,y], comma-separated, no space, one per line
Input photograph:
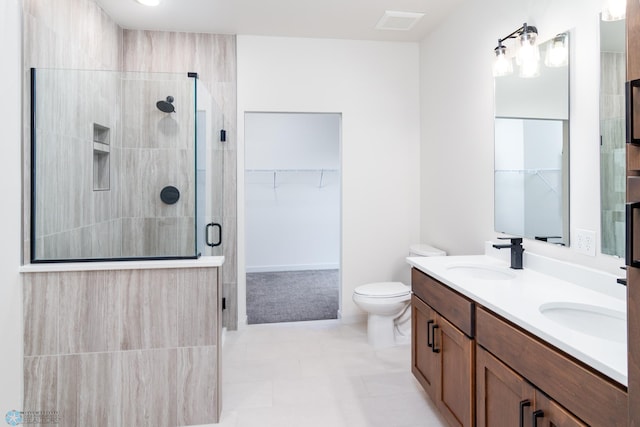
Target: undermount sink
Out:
[482,272]
[600,322]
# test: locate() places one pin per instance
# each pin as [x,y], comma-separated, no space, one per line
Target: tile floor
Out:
[320,373]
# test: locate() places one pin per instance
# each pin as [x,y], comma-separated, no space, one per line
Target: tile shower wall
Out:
[213,57]
[612,151]
[71,34]
[93,347]
[78,221]
[124,216]
[123,348]
[77,34]
[157,151]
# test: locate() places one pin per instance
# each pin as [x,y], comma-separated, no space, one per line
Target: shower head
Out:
[166,106]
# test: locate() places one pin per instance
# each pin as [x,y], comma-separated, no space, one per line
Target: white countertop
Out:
[518,300]
[204,261]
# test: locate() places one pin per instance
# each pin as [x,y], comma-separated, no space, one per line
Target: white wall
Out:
[375,87]
[10,216]
[292,141]
[292,191]
[457,122]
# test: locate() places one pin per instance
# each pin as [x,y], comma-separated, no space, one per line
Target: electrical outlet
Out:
[585,242]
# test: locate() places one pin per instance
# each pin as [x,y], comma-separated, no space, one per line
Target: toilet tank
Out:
[421,249]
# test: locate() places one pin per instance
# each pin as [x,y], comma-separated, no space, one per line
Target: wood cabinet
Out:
[505,399]
[424,361]
[633,195]
[482,370]
[553,415]
[455,390]
[586,394]
[442,355]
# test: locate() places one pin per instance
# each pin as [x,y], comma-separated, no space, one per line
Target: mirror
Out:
[531,169]
[612,136]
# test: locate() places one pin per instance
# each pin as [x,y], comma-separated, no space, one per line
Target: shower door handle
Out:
[209,226]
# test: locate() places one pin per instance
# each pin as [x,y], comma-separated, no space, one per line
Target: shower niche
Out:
[104,145]
[100,158]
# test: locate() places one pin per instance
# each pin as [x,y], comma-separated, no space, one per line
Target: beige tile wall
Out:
[126,348]
[70,34]
[156,150]
[213,57]
[123,348]
[77,34]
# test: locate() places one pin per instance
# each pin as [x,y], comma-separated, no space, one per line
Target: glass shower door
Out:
[209,174]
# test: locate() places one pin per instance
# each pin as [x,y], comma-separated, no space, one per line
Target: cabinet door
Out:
[553,415]
[455,392]
[633,170]
[423,359]
[503,398]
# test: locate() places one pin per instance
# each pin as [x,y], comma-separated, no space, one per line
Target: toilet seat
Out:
[383,290]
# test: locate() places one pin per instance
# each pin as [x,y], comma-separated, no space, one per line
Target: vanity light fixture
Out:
[149,2]
[614,10]
[527,55]
[502,64]
[558,51]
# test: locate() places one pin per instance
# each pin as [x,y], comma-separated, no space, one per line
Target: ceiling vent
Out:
[398,21]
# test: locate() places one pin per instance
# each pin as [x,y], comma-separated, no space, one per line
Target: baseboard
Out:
[353,318]
[223,336]
[243,322]
[296,267]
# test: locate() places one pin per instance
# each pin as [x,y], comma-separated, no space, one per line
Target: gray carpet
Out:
[292,296]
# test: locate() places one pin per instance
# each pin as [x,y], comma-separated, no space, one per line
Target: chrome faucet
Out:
[516,251]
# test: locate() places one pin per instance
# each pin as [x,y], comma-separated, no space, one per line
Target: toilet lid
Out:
[426,250]
[383,289]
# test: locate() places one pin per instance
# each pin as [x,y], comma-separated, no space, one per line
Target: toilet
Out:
[387,305]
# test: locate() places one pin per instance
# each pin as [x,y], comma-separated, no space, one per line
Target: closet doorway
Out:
[292,208]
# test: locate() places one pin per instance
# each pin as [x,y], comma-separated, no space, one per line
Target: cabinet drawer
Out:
[583,392]
[451,305]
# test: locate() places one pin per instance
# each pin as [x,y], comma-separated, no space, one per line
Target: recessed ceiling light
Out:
[398,21]
[149,2]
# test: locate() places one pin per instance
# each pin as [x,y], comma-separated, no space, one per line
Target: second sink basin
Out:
[481,271]
[600,322]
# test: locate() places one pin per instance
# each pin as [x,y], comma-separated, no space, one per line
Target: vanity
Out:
[493,346]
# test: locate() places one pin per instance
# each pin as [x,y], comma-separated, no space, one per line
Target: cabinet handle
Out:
[631,139]
[534,418]
[523,404]
[630,234]
[434,349]
[429,342]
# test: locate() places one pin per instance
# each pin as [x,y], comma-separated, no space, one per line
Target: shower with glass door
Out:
[124,165]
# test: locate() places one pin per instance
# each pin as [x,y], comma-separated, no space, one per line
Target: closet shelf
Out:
[536,172]
[532,171]
[275,173]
